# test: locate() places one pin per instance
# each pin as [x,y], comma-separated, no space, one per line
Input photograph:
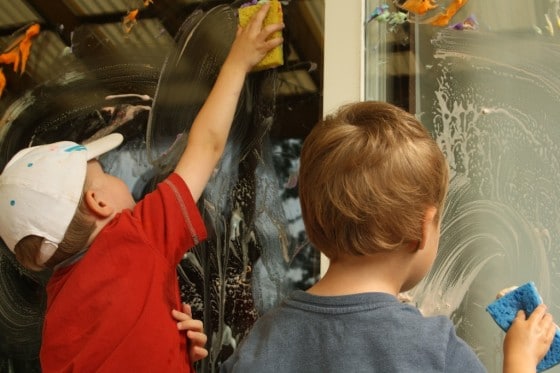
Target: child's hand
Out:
[528,340]
[195,332]
[251,44]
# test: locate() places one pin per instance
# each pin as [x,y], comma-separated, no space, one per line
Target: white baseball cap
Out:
[41,188]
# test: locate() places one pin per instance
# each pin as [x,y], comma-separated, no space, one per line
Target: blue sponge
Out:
[526,297]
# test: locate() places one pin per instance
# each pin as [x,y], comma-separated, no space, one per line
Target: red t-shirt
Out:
[111,310]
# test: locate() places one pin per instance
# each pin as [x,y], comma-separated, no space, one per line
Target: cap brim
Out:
[103,145]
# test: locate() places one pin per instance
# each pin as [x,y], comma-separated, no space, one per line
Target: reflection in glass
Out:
[87,76]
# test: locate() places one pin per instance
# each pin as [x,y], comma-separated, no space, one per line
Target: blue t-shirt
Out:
[370,332]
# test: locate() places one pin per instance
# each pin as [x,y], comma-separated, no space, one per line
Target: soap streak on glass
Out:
[490,100]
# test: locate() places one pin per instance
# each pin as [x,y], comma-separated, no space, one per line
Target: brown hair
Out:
[76,238]
[368,172]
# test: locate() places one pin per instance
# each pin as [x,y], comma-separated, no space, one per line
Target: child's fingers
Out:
[272,43]
[541,318]
[196,342]
[255,24]
[520,316]
[197,338]
[538,313]
[273,27]
[551,331]
[179,316]
[190,324]
[187,309]
[198,353]
[547,323]
[185,315]
[269,30]
[546,320]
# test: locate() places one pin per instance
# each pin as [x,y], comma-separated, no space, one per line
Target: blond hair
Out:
[75,239]
[368,173]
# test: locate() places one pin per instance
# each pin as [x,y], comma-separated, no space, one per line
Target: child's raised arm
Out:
[210,130]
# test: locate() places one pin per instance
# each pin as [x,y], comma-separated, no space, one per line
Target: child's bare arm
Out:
[528,340]
[210,129]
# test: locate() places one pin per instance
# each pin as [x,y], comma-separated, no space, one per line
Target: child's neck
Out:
[383,272]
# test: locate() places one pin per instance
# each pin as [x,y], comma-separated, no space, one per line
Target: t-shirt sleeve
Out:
[460,356]
[170,218]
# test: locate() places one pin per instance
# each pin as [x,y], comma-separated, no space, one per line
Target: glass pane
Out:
[94,68]
[487,85]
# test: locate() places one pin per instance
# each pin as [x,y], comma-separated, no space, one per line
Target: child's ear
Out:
[427,226]
[97,204]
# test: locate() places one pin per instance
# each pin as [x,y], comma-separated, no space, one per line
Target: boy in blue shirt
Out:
[372,187]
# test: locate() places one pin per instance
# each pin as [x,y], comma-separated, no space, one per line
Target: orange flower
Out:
[18,51]
[129,20]
[33,30]
[443,18]
[2,82]
[25,44]
[11,57]
[418,6]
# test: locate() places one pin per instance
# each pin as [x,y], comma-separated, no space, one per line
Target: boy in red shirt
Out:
[114,282]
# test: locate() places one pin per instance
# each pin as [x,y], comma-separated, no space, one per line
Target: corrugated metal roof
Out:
[100,7]
[14,13]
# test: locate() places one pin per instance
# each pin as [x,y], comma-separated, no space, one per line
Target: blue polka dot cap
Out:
[41,187]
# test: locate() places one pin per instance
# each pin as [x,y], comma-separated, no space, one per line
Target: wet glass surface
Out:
[487,85]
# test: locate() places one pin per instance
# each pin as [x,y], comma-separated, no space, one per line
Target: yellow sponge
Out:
[275,57]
